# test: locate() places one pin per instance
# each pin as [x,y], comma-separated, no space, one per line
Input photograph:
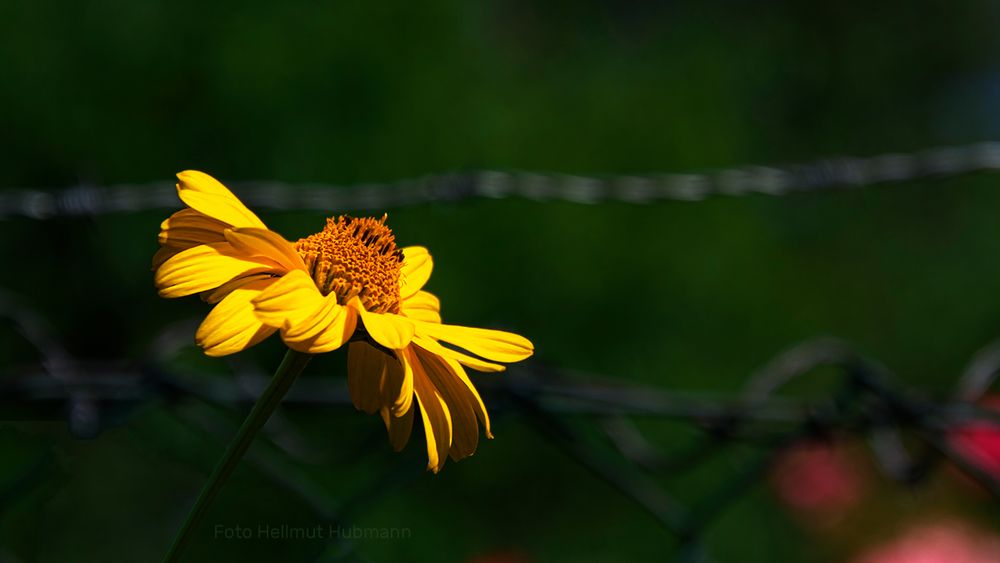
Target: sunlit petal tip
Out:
[495,345]
[207,195]
[416,270]
[466,360]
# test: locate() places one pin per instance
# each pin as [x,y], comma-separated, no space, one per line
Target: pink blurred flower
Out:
[939,542]
[979,441]
[820,478]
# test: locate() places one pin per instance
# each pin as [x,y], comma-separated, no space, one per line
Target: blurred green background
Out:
[688,296]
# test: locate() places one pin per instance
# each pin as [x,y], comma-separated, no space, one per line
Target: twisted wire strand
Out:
[824,174]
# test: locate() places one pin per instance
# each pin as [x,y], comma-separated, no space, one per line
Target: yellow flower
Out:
[347,284]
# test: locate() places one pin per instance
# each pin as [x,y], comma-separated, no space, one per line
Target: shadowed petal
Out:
[465,429]
[399,428]
[475,400]
[434,411]
[373,377]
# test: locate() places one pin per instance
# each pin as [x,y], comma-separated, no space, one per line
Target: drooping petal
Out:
[206,267]
[464,429]
[495,345]
[365,370]
[207,195]
[434,411]
[389,330]
[404,400]
[399,428]
[373,377]
[294,296]
[262,242]
[231,326]
[417,266]
[422,306]
[470,392]
[473,362]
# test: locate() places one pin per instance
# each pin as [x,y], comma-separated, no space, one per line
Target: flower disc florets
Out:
[353,256]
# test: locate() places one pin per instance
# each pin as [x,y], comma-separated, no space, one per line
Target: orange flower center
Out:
[352,256]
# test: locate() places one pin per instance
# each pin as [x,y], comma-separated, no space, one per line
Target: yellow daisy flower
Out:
[347,284]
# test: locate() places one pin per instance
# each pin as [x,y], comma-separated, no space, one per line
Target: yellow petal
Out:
[220,293]
[404,400]
[206,267]
[324,330]
[231,326]
[470,390]
[163,254]
[294,296]
[417,266]
[473,362]
[399,428]
[262,242]
[188,228]
[365,370]
[493,345]
[465,430]
[185,229]
[422,306]
[205,194]
[373,377]
[433,410]
[389,330]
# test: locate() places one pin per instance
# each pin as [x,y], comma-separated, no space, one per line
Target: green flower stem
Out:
[291,366]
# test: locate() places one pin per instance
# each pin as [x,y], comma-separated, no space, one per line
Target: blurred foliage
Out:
[689,296]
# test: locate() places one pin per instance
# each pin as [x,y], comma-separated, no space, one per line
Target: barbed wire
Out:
[907,431]
[566,406]
[820,175]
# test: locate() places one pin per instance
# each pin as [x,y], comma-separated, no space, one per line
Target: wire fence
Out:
[567,407]
[825,174]
[907,432]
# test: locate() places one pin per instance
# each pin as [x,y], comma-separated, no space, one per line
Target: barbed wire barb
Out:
[820,175]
